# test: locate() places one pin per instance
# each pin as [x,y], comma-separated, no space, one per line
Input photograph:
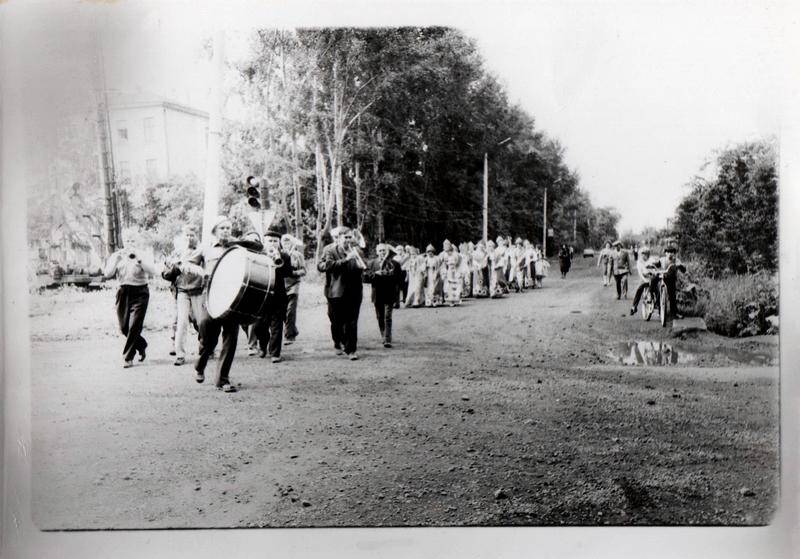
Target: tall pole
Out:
[485,197]
[211,198]
[574,227]
[106,157]
[544,226]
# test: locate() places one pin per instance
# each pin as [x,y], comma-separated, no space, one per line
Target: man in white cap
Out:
[204,260]
[343,264]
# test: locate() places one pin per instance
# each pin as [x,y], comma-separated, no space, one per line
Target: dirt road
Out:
[500,412]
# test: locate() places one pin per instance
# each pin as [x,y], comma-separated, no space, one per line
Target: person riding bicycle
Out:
[646,267]
[670,264]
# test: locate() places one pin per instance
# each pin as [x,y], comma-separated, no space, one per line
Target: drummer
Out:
[205,258]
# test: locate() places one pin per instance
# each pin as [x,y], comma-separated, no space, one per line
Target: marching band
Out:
[252,282]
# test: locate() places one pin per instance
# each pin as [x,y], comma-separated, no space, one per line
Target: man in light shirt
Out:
[132,266]
[646,267]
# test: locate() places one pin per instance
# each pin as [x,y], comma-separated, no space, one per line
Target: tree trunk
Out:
[298,214]
[339,193]
[359,219]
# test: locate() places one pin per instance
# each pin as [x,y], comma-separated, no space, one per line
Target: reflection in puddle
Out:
[647,352]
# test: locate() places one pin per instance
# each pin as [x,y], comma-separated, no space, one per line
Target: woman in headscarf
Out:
[528,272]
[480,270]
[540,266]
[400,259]
[517,261]
[415,268]
[433,277]
[453,272]
[498,264]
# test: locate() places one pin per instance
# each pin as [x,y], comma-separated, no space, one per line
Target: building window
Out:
[122,130]
[151,167]
[124,170]
[149,129]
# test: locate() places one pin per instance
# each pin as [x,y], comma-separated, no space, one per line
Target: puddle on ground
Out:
[647,352]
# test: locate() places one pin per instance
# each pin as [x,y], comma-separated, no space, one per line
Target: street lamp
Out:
[486,191]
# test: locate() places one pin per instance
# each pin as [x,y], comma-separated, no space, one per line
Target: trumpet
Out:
[275,255]
[357,257]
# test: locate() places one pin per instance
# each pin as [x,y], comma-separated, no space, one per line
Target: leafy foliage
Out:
[160,210]
[387,129]
[737,305]
[731,222]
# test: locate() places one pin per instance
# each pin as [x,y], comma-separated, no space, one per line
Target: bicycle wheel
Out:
[663,307]
[648,305]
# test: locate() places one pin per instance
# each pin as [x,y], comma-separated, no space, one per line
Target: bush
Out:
[736,305]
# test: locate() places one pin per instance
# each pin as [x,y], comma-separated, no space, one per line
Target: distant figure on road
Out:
[564,260]
[343,265]
[604,262]
[621,268]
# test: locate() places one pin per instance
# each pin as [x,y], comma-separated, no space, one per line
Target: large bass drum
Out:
[240,285]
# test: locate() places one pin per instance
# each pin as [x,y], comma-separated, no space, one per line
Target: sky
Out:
[640,95]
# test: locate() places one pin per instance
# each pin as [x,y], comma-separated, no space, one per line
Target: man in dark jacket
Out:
[381,272]
[269,330]
[343,265]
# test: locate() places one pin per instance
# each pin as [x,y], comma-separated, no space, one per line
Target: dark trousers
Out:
[403,290]
[383,311]
[620,280]
[670,280]
[210,330]
[640,290]
[269,330]
[343,314]
[131,307]
[290,322]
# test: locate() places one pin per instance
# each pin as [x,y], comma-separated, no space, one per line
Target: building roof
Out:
[135,100]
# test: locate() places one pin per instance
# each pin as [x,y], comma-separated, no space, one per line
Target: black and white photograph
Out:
[467,266]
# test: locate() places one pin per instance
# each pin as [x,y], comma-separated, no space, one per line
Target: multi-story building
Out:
[154,138]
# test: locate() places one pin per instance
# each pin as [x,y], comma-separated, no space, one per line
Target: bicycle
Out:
[657,297]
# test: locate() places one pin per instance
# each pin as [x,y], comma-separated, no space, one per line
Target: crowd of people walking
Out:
[401,276]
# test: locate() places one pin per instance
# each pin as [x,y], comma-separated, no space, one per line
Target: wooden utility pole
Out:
[485,197]
[106,160]
[211,198]
[544,225]
[574,227]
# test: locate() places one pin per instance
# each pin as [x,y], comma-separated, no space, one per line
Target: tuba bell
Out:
[275,255]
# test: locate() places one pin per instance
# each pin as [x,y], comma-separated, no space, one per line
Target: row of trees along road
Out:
[386,129]
[730,220]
